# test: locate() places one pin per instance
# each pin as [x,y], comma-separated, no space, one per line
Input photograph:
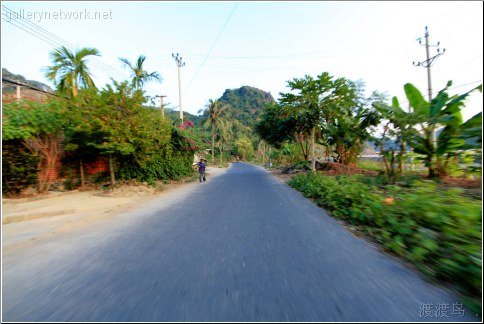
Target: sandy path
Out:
[25,221]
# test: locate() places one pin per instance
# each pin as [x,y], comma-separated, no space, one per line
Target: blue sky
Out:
[261,44]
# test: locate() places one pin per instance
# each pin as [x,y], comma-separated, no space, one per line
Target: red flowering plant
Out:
[191,137]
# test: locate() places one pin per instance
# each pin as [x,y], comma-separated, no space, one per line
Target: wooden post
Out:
[82,174]
[111,170]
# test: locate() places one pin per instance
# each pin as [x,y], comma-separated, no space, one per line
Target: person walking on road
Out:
[201,170]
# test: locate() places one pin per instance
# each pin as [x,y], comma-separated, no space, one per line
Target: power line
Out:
[54,40]
[465,64]
[213,45]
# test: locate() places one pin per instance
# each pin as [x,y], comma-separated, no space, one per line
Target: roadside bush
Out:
[171,167]
[19,168]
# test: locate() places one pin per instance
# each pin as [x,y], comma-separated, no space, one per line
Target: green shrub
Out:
[19,167]
[163,166]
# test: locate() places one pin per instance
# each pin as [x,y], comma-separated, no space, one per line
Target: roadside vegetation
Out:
[421,200]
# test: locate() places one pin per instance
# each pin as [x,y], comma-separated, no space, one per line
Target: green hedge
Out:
[161,167]
[19,168]
[439,231]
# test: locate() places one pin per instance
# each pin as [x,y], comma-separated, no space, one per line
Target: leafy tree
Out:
[115,123]
[349,125]
[314,102]
[244,147]
[70,72]
[39,125]
[138,74]
[277,127]
[400,125]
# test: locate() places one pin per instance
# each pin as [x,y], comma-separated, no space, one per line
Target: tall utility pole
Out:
[179,63]
[428,62]
[162,108]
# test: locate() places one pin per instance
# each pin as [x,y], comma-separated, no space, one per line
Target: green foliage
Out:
[275,126]
[19,167]
[213,120]
[145,145]
[244,148]
[70,72]
[333,111]
[438,230]
[113,122]
[29,119]
[163,166]
[39,125]
[173,162]
[287,154]
[443,110]
[351,122]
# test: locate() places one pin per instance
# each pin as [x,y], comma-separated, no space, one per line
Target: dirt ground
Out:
[25,220]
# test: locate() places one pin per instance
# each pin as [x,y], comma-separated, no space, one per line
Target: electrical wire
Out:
[212,47]
[54,40]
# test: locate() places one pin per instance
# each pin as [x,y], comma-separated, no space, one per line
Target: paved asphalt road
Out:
[241,247]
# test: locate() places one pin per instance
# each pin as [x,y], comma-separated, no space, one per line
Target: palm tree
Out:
[138,74]
[214,110]
[225,134]
[70,72]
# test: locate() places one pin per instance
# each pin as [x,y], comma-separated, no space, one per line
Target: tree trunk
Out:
[47,147]
[213,145]
[400,157]
[264,154]
[313,154]
[431,150]
[221,155]
[393,175]
[111,170]
[382,149]
[82,173]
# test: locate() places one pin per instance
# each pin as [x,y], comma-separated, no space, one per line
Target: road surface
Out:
[241,247]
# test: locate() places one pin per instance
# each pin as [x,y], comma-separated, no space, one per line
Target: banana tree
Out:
[443,111]
[348,130]
[400,125]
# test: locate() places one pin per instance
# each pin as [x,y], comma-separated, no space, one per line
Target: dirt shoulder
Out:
[28,219]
